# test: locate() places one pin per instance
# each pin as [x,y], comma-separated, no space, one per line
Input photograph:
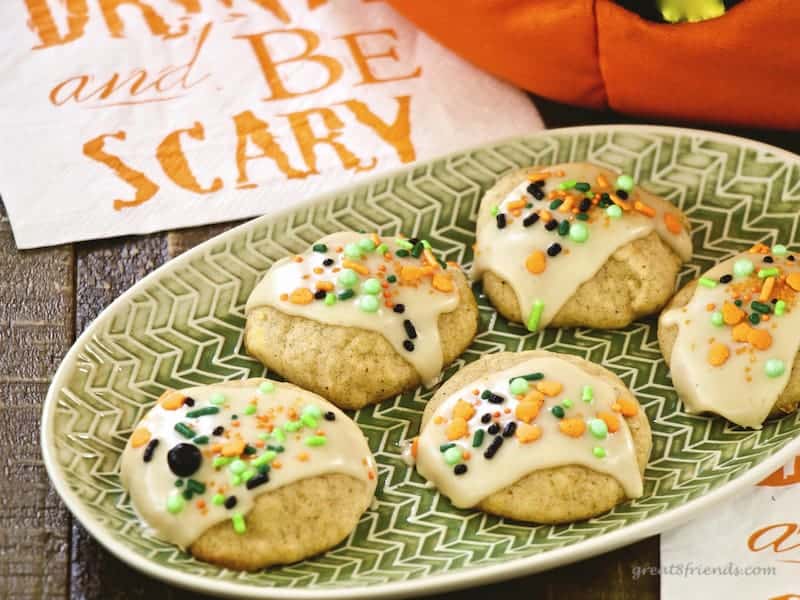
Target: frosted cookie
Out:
[359,318]
[534,436]
[731,337]
[248,474]
[576,245]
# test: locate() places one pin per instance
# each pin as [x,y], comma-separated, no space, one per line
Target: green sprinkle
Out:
[278,435]
[250,450]
[563,227]
[579,232]
[717,319]
[292,426]
[319,248]
[567,403]
[587,393]
[581,217]
[477,438]
[267,387]
[625,182]
[402,253]
[760,307]
[780,308]
[774,367]
[755,318]
[371,286]
[599,452]
[743,267]
[250,409]
[366,244]
[179,483]
[217,398]
[202,412]
[535,315]
[195,486]
[519,386]
[330,299]
[235,480]
[771,272]
[312,410]
[445,447]
[582,186]
[486,394]
[187,494]
[249,474]
[264,459]
[315,440]
[238,523]
[382,249]
[555,204]
[391,279]
[200,440]
[369,304]
[221,461]
[184,430]
[352,251]
[418,248]
[218,500]
[614,211]
[567,185]
[533,376]
[779,250]
[405,244]
[738,303]
[598,428]
[708,282]
[558,412]
[494,210]
[175,503]
[277,449]
[309,421]
[346,295]
[347,278]
[452,456]
[237,467]
[427,244]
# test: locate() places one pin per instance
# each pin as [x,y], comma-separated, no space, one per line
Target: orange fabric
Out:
[739,69]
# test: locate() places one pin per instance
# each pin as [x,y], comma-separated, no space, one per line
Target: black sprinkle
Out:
[189,401]
[399,308]
[413,241]
[553,249]
[768,259]
[408,345]
[509,429]
[496,399]
[726,279]
[585,205]
[551,224]
[230,502]
[493,429]
[219,430]
[411,332]
[538,193]
[493,447]
[790,258]
[532,187]
[622,194]
[149,449]
[328,262]
[774,300]
[184,459]
[460,469]
[501,220]
[257,480]
[486,418]
[320,294]
[530,220]
[330,416]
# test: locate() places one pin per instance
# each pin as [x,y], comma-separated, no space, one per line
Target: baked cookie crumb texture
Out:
[556,229]
[394,286]
[542,413]
[202,456]
[737,337]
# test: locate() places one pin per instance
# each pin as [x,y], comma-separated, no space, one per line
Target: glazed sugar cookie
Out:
[577,245]
[358,318]
[731,338]
[248,474]
[534,436]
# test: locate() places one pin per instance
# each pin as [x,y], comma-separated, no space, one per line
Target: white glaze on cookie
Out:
[151,484]
[423,287]
[504,251]
[738,388]
[520,454]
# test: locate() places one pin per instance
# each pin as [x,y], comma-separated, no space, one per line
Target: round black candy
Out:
[184,459]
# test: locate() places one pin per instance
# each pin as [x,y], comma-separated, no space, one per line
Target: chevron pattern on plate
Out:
[185,328]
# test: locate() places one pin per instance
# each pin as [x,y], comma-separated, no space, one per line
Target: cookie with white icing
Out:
[577,245]
[731,337]
[534,436]
[248,474]
[358,318]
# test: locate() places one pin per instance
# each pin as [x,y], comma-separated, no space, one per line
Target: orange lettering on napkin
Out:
[172,159]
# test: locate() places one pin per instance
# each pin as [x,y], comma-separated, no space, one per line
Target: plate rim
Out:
[429,584]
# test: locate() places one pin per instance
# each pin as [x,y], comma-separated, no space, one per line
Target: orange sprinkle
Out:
[456,429]
[759,338]
[545,216]
[430,258]
[645,209]
[140,437]
[732,314]
[298,259]
[602,181]
[536,262]
[371,474]
[235,423]
[475,392]
[259,443]
[549,388]
[466,455]
[527,433]
[171,400]
[538,176]
[302,457]
[284,297]
[276,464]
[718,354]
[741,332]
[610,419]
[301,296]
[516,204]
[375,239]
[216,448]
[233,448]
[414,447]
[464,410]
[573,427]
[620,202]
[793,280]
[438,420]
[710,306]
[528,410]
[357,267]
[410,274]
[673,223]
[326,286]
[442,282]
[628,407]
[201,503]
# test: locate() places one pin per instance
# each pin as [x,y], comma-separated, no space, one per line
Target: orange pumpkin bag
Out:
[742,68]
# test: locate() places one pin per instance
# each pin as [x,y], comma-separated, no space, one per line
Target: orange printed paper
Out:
[131,116]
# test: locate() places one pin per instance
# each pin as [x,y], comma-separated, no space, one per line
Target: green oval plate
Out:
[182,326]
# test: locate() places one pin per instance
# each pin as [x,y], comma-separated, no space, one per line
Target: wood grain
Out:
[36,316]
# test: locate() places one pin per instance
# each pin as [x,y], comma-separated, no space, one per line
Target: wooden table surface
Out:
[48,298]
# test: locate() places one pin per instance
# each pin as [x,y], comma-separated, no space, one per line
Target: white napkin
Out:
[122,117]
[748,547]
